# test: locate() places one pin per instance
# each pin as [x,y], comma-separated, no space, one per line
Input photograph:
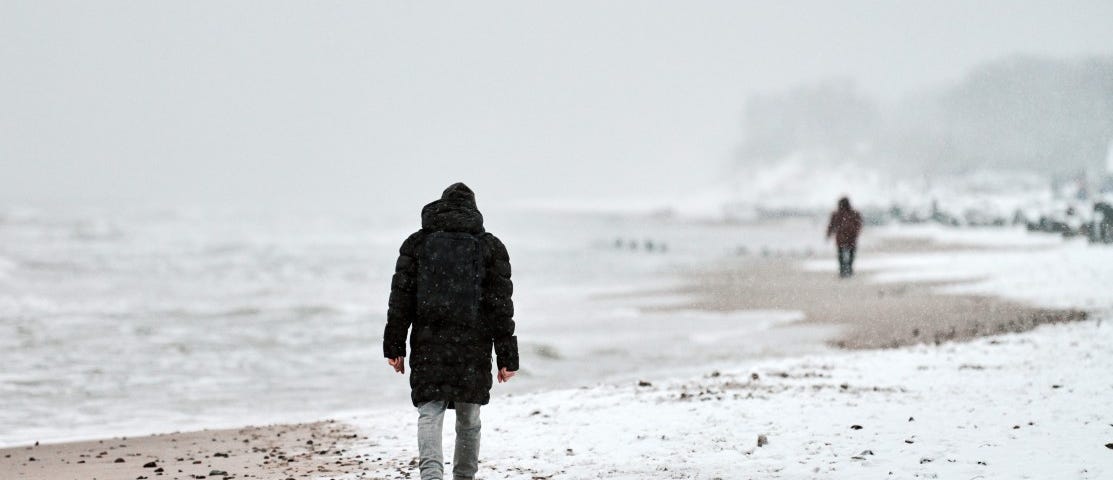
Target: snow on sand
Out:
[1031,405]
[1019,405]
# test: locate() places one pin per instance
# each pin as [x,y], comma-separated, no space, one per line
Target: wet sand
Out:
[310,450]
[871,315]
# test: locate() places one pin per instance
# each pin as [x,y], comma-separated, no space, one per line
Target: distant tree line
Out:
[1044,115]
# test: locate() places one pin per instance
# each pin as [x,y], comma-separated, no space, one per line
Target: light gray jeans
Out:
[430,422]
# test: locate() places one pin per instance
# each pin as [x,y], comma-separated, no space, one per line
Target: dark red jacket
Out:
[845,225]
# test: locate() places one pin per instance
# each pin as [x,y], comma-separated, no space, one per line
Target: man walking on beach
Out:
[845,225]
[452,286]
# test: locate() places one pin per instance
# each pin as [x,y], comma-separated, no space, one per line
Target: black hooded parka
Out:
[451,361]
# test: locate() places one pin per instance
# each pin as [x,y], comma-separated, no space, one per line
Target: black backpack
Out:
[449,281]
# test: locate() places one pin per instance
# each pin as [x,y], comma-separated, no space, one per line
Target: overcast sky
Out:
[381,102]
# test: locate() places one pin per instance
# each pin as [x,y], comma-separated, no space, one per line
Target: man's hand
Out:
[505,375]
[399,364]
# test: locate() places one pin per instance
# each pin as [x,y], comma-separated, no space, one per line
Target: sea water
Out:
[122,321]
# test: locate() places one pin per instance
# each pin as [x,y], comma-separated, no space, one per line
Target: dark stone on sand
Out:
[160,470]
[150,465]
[220,454]
[217,473]
[32,459]
[118,460]
[862,456]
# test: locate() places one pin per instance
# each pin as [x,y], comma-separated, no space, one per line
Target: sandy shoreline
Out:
[871,315]
[268,452]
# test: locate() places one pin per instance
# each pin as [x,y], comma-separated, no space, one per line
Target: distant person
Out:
[845,225]
[452,286]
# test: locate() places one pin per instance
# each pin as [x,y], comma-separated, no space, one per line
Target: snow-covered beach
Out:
[1013,405]
[654,239]
[1030,405]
